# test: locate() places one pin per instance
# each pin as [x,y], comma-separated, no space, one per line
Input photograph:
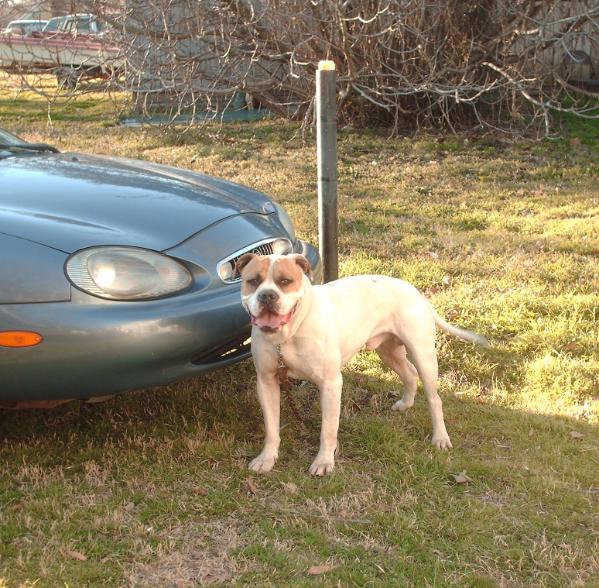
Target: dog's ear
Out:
[243,261]
[304,264]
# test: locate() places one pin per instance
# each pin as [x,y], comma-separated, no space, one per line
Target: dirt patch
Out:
[203,557]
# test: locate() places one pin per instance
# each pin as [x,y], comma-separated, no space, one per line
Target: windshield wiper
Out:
[37,147]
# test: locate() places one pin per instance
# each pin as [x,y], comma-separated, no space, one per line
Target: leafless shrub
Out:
[404,64]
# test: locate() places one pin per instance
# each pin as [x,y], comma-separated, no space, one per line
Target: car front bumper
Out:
[94,348]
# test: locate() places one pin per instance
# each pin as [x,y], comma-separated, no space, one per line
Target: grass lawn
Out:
[151,488]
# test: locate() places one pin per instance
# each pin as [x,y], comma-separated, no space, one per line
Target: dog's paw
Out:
[402,405]
[442,442]
[322,466]
[263,463]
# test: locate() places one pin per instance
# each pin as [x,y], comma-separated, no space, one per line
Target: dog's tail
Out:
[461,333]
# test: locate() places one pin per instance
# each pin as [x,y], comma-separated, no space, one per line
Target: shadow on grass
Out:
[175,458]
[224,403]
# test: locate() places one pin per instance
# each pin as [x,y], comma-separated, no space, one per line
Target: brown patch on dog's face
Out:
[272,287]
[287,274]
[253,272]
[243,261]
[303,262]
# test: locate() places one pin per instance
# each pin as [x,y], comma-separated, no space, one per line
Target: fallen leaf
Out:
[322,569]
[212,463]
[129,506]
[461,478]
[77,555]
[252,486]
[574,141]
[290,488]
[200,491]
[576,435]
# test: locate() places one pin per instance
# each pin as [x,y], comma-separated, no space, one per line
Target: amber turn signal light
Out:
[19,338]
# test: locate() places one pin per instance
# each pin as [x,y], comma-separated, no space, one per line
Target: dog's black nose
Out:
[268,296]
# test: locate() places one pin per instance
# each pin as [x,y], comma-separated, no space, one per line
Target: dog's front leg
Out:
[330,403]
[269,395]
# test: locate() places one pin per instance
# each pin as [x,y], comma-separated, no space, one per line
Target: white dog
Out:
[315,330]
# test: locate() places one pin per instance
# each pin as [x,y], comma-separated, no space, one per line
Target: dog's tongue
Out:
[270,320]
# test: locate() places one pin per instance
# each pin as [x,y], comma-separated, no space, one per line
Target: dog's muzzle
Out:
[270,321]
[269,299]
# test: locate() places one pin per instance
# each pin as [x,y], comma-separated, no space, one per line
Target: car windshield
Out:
[53,24]
[9,140]
[10,145]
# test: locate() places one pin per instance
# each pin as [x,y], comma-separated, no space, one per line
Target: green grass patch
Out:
[151,488]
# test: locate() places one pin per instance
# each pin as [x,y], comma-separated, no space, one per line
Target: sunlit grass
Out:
[150,488]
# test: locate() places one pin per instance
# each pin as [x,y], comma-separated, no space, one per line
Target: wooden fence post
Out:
[326,147]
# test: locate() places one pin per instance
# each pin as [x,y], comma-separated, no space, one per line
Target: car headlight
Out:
[285,220]
[126,273]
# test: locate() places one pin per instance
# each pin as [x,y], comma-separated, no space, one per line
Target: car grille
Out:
[261,249]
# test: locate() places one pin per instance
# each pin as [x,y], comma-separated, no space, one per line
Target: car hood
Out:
[69,201]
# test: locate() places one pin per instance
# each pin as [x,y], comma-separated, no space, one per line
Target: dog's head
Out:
[272,288]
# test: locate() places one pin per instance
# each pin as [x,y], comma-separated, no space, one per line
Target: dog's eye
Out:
[285,282]
[253,281]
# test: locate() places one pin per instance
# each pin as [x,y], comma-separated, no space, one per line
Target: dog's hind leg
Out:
[425,359]
[394,356]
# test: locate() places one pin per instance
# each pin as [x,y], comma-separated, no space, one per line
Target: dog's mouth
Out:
[270,321]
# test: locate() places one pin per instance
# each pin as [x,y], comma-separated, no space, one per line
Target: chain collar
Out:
[280,361]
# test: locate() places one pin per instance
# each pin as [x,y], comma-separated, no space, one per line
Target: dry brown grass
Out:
[151,488]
